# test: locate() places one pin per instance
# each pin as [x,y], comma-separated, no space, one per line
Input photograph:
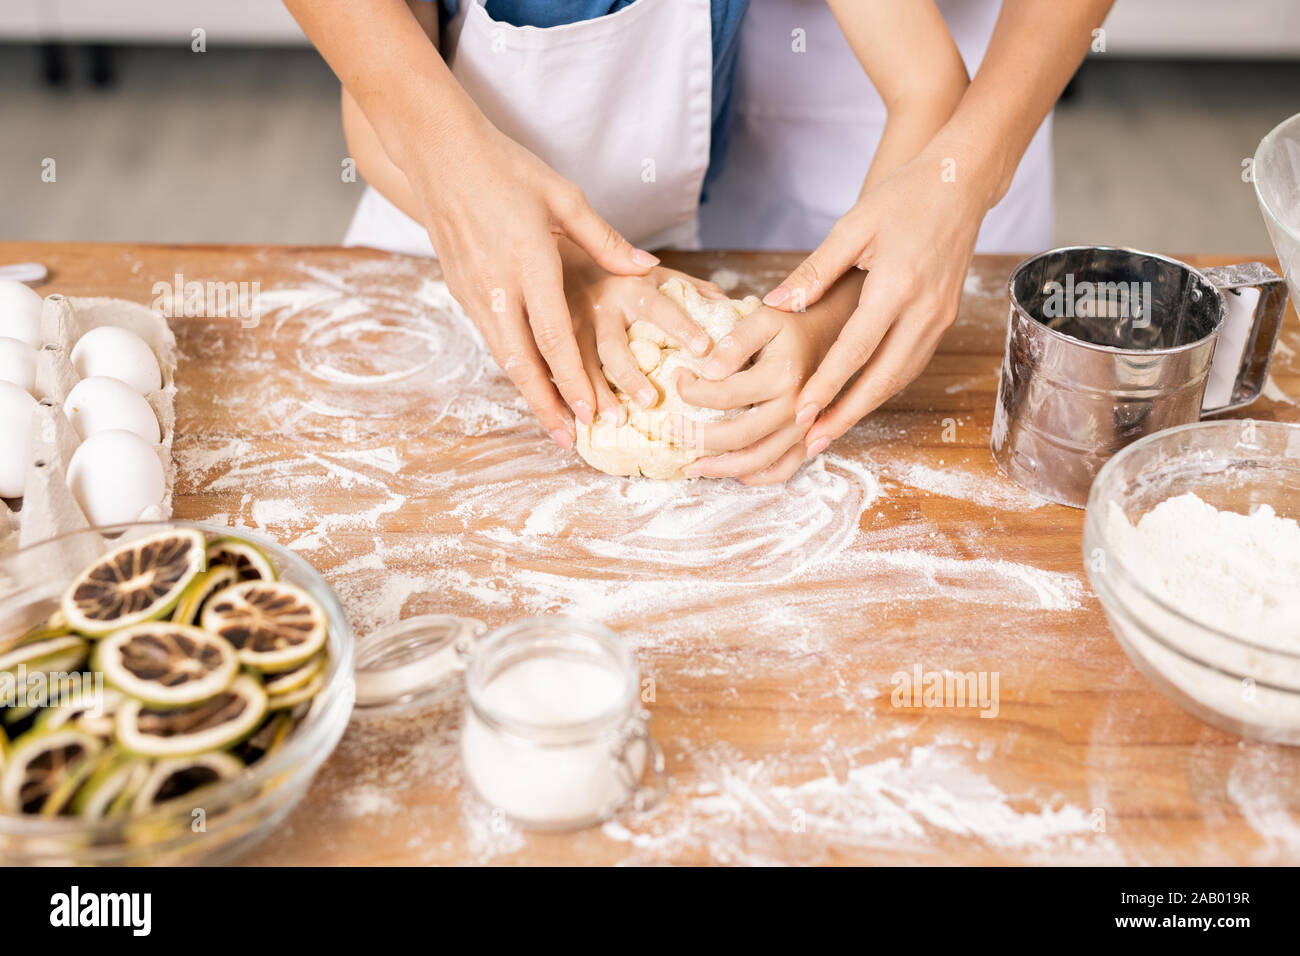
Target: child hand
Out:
[764,444]
[604,305]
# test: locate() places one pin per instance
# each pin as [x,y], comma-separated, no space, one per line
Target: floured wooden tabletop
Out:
[359,423]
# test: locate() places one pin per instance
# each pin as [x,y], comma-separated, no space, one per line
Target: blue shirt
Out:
[726,15]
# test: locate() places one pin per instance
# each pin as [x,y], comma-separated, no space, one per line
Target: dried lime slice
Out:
[139,581]
[268,739]
[48,626]
[43,769]
[219,722]
[247,559]
[115,780]
[285,681]
[274,626]
[166,664]
[52,655]
[206,584]
[37,696]
[88,708]
[180,777]
[295,697]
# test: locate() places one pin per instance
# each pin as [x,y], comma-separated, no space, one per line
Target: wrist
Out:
[974,165]
[823,321]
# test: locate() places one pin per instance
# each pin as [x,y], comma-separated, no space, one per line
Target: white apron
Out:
[807,124]
[620,105]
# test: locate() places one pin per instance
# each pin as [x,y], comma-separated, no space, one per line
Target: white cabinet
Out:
[148,21]
[21,19]
[1204,28]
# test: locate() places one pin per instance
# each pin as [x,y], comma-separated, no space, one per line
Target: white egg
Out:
[117,353]
[99,404]
[17,363]
[20,312]
[115,477]
[16,408]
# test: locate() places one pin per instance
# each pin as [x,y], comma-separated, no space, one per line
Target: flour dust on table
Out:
[412,474]
[381,340]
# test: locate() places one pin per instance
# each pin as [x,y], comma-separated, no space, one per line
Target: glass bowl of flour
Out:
[1191,542]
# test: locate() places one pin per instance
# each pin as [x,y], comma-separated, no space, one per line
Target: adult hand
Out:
[605,305]
[914,232]
[495,214]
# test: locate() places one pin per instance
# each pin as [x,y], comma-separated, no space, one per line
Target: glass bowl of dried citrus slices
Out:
[167,692]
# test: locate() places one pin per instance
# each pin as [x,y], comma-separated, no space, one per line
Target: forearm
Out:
[907,132]
[1036,47]
[394,74]
[906,50]
[374,163]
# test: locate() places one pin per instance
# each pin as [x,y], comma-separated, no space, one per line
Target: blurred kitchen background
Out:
[243,143]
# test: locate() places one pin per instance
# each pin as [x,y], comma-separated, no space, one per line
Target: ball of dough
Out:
[642,446]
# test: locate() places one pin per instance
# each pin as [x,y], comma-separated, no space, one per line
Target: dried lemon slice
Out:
[183,776]
[274,626]
[43,770]
[219,722]
[115,780]
[268,739]
[87,708]
[53,625]
[53,655]
[295,697]
[284,681]
[247,559]
[139,581]
[206,584]
[166,664]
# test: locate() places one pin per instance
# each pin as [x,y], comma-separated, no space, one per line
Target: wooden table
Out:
[358,423]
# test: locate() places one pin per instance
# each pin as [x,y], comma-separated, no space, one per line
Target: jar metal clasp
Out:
[636,732]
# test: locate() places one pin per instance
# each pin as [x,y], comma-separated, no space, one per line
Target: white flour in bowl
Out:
[1237,573]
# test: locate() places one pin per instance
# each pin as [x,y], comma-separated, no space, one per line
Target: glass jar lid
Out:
[414,663]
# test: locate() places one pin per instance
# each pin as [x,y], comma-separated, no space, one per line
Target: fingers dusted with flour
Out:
[657,436]
[735,350]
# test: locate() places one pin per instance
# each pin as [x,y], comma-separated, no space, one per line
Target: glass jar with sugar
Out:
[553,733]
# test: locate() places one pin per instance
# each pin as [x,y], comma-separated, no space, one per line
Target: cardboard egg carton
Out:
[48,507]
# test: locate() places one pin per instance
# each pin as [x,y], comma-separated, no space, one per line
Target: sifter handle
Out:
[1254,302]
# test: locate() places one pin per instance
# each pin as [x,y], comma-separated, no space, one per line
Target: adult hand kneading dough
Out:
[644,445]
